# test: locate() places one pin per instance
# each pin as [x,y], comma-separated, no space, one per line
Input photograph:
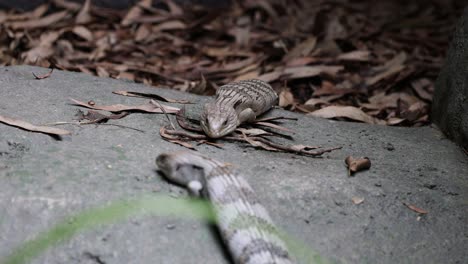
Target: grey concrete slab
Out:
[43,180]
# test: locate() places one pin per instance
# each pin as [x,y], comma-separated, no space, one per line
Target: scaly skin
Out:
[244,223]
[236,103]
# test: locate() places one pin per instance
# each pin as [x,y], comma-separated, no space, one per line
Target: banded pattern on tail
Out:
[244,223]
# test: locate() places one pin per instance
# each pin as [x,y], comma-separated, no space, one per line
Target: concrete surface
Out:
[450,103]
[43,180]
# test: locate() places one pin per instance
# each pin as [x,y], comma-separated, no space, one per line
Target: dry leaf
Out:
[83,32]
[357,164]
[260,123]
[84,16]
[416,209]
[169,25]
[253,131]
[390,68]
[357,55]
[286,98]
[150,107]
[135,12]
[151,96]
[350,112]
[40,22]
[311,71]
[30,127]
[357,200]
[43,76]
[303,49]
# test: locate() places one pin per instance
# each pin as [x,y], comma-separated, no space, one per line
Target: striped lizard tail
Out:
[244,223]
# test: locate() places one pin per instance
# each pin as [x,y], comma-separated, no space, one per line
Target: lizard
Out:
[236,103]
[244,224]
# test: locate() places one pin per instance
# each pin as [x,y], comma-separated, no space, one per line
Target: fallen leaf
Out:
[174,139]
[84,16]
[286,98]
[350,112]
[416,209]
[135,12]
[357,55]
[267,124]
[311,71]
[150,107]
[30,127]
[151,96]
[43,76]
[253,131]
[83,32]
[169,25]
[390,68]
[357,200]
[357,164]
[302,49]
[40,22]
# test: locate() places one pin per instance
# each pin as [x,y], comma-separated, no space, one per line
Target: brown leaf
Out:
[135,12]
[303,49]
[390,68]
[150,107]
[30,127]
[311,71]
[40,22]
[357,55]
[286,98]
[350,112]
[416,209]
[83,32]
[174,139]
[43,76]
[169,25]
[274,126]
[84,16]
[357,164]
[357,200]
[151,96]
[419,87]
[253,131]
[257,143]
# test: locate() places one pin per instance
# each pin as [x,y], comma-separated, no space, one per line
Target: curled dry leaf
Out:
[357,200]
[151,96]
[253,132]
[286,98]
[43,76]
[350,112]
[415,208]
[357,164]
[174,139]
[30,127]
[357,55]
[311,71]
[150,107]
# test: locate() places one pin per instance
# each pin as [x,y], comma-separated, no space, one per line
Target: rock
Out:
[450,103]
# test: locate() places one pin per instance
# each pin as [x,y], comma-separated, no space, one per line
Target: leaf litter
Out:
[316,54]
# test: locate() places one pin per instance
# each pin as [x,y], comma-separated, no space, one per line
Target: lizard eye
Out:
[225,122]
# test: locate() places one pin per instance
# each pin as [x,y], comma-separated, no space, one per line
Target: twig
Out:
[165,113]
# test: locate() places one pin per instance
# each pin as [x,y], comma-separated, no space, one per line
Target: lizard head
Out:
[217,121]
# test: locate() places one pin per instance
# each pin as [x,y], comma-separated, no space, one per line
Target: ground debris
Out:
[34,128]
[357,164]
[316,54]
